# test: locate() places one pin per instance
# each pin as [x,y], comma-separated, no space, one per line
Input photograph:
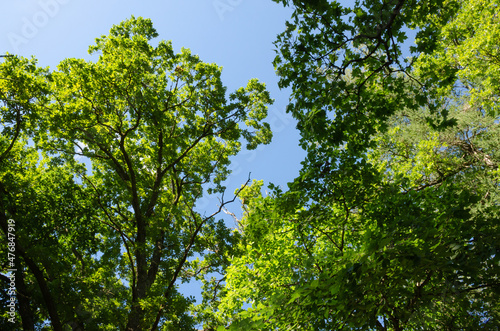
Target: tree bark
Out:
[27,317]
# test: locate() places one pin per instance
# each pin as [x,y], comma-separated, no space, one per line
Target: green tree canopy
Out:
[106,247]
[392,223]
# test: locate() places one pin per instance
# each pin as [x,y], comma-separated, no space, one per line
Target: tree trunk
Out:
[27,318]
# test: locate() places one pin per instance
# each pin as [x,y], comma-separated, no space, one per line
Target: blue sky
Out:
[236,34]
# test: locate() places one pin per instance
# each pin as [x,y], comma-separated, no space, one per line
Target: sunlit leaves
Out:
[391,223]
[135,137]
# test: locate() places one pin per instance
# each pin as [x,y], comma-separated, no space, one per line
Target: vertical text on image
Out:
[11,257]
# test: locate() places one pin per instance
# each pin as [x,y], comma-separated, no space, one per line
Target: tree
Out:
[420,250]
[392,223]
[105,247]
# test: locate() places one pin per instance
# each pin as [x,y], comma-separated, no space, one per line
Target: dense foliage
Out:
[101,166]
[393,223]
